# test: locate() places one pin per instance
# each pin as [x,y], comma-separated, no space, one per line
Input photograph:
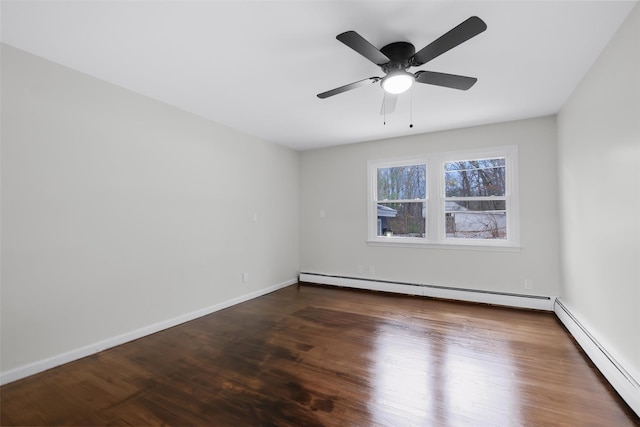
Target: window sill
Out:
[417,244]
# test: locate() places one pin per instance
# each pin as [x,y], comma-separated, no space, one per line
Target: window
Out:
[475,199]
[400,202]
[465,198]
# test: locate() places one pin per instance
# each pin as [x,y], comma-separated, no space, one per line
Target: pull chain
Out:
[384,109]
[411,108]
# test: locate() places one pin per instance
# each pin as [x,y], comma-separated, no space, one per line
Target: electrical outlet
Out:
[245,277]
[323,214]
[528,284]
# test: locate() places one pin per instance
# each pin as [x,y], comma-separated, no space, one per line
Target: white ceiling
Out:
[257,66]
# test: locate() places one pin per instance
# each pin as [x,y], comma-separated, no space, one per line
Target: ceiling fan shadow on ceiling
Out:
[396,58]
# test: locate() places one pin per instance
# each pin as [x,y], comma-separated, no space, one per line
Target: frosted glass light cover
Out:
[397,82]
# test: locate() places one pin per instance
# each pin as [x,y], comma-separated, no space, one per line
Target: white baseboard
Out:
[70,356]
[535,302]
[618,376]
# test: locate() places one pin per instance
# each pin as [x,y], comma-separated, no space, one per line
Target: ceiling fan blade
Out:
[458,35]
[356,42]
[447,80]
[388,103]
[350,86]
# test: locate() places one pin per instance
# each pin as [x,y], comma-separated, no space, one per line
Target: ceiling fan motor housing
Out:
[400,54]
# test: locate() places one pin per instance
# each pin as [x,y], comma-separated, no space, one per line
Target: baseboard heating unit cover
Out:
[613,370]
[536,302]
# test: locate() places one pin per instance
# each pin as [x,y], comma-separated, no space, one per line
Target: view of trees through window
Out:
[401,200]
[465,197]
[475,202]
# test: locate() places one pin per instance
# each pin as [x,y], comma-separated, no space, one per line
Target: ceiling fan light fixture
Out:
[397,82]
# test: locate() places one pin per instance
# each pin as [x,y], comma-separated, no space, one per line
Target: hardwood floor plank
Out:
[322,356]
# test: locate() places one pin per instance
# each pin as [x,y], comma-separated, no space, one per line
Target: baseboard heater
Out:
[620,378]
[536,302]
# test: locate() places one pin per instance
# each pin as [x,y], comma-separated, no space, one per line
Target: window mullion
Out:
[436,201]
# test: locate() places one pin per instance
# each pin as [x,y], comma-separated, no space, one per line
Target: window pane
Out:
[476,219]
[473,178]
[402,183]
[401,219]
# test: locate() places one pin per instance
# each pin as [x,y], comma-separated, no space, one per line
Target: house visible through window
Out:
[401,197]
[459,198]
[475,202]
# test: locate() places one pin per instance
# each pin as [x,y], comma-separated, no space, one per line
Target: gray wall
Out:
[334,180]
[119,212]
[599,163]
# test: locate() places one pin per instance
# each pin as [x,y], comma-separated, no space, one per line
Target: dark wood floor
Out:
[316,356]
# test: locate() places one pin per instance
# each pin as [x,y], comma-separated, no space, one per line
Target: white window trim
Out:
[435,227]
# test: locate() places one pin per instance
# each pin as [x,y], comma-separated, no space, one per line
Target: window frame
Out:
[373,197]
[435,226]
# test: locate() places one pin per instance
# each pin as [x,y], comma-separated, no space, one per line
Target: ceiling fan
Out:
[394,59]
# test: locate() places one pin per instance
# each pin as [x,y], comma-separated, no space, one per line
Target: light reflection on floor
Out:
[423,379]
